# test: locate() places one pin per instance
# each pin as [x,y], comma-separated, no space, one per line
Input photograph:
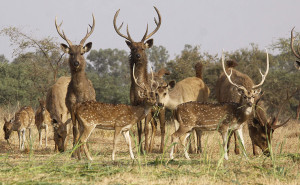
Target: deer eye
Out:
[165,94]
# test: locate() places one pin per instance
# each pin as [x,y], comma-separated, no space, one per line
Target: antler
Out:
[263,75]
[62,34]
[229,76]
[292,45]
[135,80]
[118,29]
[153,81]
[145,37]
[88,33]
[275,119]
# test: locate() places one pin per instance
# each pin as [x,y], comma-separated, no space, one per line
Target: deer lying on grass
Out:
[297,54]
[139,59]
[80,88]
[120,117]
[24,119]
[56,105]
[42,121]
[223,117]
[258,122]
[189,89]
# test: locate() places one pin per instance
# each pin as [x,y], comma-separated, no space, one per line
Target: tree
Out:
[158,56]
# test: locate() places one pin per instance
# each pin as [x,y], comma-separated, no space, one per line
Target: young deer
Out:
[223,117]
[24,119]
[138,58]
[120,117]
[42,121]
[80,88]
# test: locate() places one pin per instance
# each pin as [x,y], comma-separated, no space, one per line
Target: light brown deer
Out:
[24,119]
[120,117]
[80,88]
[188,89]
[258,122]
[56,105]
[42,121]
[296,53]
[223,117]
[139,58]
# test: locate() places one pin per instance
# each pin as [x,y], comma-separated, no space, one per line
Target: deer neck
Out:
[243,112]
[79,78]
[141,111]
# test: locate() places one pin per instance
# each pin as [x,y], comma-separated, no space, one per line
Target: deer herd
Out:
[71,106]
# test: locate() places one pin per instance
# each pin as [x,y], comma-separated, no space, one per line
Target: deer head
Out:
[162,93]
[76,59]
[147,93]
[262,129]
[42,105]
[60,134]
[7,128]
[247,97]
[138,48]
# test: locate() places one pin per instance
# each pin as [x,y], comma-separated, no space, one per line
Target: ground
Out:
[40,165]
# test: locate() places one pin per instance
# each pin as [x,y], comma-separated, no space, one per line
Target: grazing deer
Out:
[120,117]
[223,117]
[42,121]
[297,54]
[56,105]
[139,59]
[226,92]
[23,120]
[188,89]
[80,88]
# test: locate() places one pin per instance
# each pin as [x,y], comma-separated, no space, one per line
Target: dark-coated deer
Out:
[226,92]
[296,53]
[56,105]
[223,117]
[42,121]
[24,119]
[188,89]
[120,117]
[139,58]
[80,88]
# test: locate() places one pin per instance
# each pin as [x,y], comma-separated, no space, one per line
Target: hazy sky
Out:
[213,24]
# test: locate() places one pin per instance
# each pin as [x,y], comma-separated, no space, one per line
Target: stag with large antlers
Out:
[258,122]
[120,117]
[296,53]
[24,119]
[139,58]
[80,88]
[223,117]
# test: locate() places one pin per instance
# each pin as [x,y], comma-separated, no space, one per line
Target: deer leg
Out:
[140,128]
[116,138]
[239,133]
[176,125]
[146,130]
[176,137]
[23,140]
[199,147]
[85,133]
[254,147]
[186,154]
[162,122]
[128,141]
[20,137]
[225,140]
[154,128]
[46,133]
[40,137]
[236,146]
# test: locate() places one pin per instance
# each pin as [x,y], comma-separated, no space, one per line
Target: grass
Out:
[38,165]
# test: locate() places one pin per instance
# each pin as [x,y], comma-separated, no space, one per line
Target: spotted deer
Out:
[120,118]
[60,116]
[80,88]
[189,89]
[296,53]
[259,126]
[139,59]
[221,117]
[24,119]
[42,121]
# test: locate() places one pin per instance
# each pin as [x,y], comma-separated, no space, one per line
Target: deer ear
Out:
[149,43]
[172,84]
[65,48]
[128,43]
[87,47]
